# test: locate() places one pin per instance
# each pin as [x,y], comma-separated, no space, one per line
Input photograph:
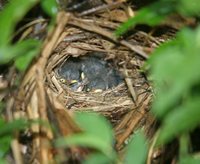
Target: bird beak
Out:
[82,76]
[73,81]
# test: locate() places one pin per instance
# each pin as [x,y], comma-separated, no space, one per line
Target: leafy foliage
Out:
[99,138]
[174,70]
[21,53]
[7,133]
[98,135]
[137,149]
[155,13]
[50,7]
[175,82]
[10,16]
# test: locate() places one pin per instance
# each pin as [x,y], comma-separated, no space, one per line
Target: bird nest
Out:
[45,94]
[113,102]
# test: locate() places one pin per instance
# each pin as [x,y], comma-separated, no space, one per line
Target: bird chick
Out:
[99,74]
[89,73]
[92,66]
[70,70]
[96,83]
[113,78]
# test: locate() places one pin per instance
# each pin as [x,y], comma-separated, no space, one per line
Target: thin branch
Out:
[96,29]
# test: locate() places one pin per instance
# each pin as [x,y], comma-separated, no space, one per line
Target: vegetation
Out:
[173,69]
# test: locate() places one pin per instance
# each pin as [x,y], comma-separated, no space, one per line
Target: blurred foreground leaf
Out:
[50,7]
[150,15]
[4,145]
[97,134]
[174,69]
[191,7]
[137,149]
[184,119]
[102,130]
[97,158]
[23,61]
[22,52]
[190,160]
[156,12]
[10,16]
[86,140]
[8,128]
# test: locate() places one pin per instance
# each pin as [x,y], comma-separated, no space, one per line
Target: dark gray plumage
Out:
[113,78]
[98,74]
[96,83]
[92,66]
[70,70]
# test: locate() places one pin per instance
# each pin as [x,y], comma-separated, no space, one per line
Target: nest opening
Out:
[91,83]
[89,73]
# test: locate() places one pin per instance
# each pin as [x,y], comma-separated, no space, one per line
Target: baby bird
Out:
[96,83]
[89,73]
[92,66]
[99,74]
[70,70]
[113,78]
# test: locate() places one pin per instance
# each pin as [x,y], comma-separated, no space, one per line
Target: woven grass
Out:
[43,96]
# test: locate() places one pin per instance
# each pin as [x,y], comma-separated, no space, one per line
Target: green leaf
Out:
[174,69]
[23,61]
[97,134]
[182,120]
[145,16]
[2,161]
[4,145]
[189,160]
[184,142]
[2,107]
[11,15]
[10,127]
[97,158]
[191,7]
[96,125]
[20,49]
[87,140]
[6,133]
[50,7]
[150,15]
[137,149]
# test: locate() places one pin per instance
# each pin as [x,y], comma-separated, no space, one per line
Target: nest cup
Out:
[115,102]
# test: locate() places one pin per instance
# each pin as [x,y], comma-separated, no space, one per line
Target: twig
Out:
[151,148]
[101,8]
[49,45]
[137,49]
[136,117]
[14,143]
[130,86]
[39,20]
[96,29]
[16,151]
